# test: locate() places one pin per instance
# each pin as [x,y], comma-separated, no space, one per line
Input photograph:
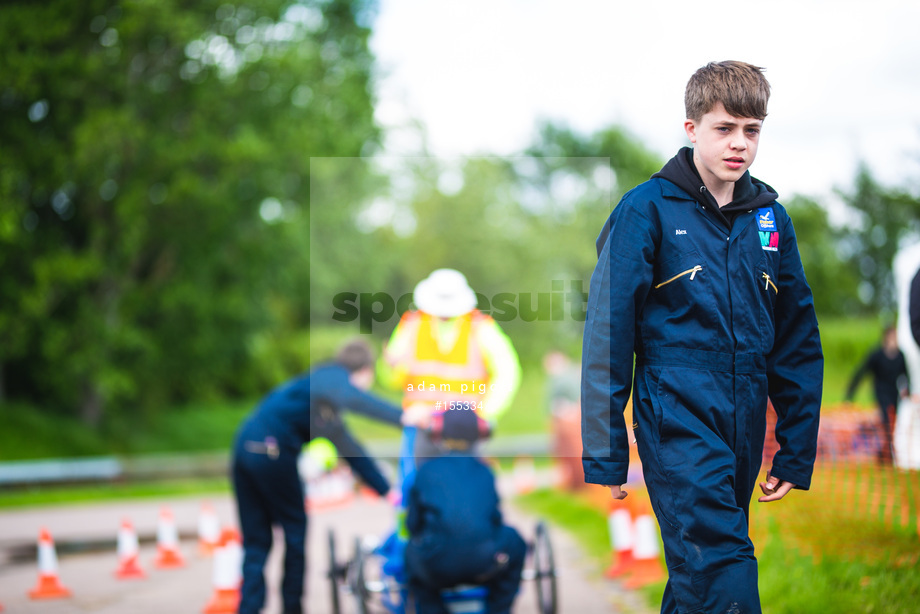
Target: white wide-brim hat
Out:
[445,294]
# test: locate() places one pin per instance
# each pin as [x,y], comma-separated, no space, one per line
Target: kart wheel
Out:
[357,578]
[334,574]
[544,570]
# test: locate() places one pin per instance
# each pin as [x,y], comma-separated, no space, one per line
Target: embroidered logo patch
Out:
[769,241]
[765,219]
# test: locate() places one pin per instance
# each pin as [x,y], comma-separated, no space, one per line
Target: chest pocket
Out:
[682,269]
[691,272]
[683,290]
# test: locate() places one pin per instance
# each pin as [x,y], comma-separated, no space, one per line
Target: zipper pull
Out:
[769,282]
[694,270]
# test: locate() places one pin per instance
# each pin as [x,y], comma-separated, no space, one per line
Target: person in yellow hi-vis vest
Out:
[447,355]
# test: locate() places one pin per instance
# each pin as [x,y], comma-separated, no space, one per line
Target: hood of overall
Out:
[750,193]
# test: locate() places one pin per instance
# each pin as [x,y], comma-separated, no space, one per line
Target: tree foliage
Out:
[886,218]
[186,189]
[150,150]
[834,286]
[522,229]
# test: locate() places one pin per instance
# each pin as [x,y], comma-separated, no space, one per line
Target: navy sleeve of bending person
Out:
[288,413]
[331,392]
[330,385]
[358,460]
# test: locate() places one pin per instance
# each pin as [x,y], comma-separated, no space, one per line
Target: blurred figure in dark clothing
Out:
[890,381]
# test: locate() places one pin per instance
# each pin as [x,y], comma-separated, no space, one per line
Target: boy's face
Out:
[724,145]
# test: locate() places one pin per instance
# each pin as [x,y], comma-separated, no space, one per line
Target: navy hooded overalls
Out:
[265,479]
[719,316]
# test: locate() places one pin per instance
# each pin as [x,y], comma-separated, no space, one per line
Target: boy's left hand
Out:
[774,489]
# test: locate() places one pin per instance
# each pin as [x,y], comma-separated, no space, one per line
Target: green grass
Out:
[846,342]
[68,495]
[791,582]
[193,428]
[28,433]
[575,516]
[585,522]
[794,583]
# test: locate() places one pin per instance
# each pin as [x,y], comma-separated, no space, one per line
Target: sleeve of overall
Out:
[503,366]
[359,461]
[795,369]
[364,403]
[619,286]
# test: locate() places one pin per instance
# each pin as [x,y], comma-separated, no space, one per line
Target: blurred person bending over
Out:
[266,482]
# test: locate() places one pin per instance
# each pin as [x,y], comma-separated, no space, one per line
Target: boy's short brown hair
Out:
[355,355]
[740,87]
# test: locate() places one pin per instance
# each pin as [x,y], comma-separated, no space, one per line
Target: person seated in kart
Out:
[456,534]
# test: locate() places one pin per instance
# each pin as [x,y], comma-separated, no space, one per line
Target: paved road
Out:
[89,574]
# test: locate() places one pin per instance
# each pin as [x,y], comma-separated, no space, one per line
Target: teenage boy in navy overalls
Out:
[699,280]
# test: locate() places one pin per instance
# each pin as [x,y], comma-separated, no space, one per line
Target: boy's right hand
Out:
[774,489]
[617,492]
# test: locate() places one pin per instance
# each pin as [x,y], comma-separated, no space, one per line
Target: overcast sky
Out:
[478,74]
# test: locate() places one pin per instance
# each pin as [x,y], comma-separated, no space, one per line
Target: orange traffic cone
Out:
[208,529]
[646,552]
[128,550]
[524,475]
[168,554]
[620,525]
[49,585]
[227,575]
